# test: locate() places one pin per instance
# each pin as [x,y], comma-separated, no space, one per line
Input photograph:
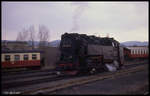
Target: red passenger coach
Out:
[20,58]
[134,52]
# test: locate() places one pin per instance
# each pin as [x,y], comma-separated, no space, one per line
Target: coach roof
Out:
[22,51]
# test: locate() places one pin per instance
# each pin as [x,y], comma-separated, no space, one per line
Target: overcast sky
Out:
[125,21]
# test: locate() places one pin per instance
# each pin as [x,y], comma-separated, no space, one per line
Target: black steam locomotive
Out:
[81,54]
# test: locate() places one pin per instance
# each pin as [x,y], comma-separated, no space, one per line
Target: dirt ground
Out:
[131,84]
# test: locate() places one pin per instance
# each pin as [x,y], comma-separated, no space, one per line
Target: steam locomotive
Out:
[88,54]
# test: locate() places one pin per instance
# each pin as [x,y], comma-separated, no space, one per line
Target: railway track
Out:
[13,73]
[29,81]
[135,62]
[24,71]
[43,79]
[23,76]
[50,89]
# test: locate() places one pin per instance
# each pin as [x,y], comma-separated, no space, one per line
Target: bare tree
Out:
[29,35]
[32,31]
[43,36]
[23,35]
[19,36]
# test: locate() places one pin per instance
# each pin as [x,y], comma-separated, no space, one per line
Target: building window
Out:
[34,56]
[17,57]
[26,57]
[7,57]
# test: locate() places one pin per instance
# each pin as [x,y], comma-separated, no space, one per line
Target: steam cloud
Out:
[77,14]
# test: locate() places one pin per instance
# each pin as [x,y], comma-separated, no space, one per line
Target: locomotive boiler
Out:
[88,54]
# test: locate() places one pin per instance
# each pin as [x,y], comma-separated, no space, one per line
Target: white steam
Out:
[81,7]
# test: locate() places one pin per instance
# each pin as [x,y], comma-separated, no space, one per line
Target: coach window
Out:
[26,57]
[139,51]
[145,52]
[34,56]
[131,51]
[136,51]
[17,57]
[142,51]
[7,57]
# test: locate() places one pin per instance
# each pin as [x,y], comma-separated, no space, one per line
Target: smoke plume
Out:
[77,14]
